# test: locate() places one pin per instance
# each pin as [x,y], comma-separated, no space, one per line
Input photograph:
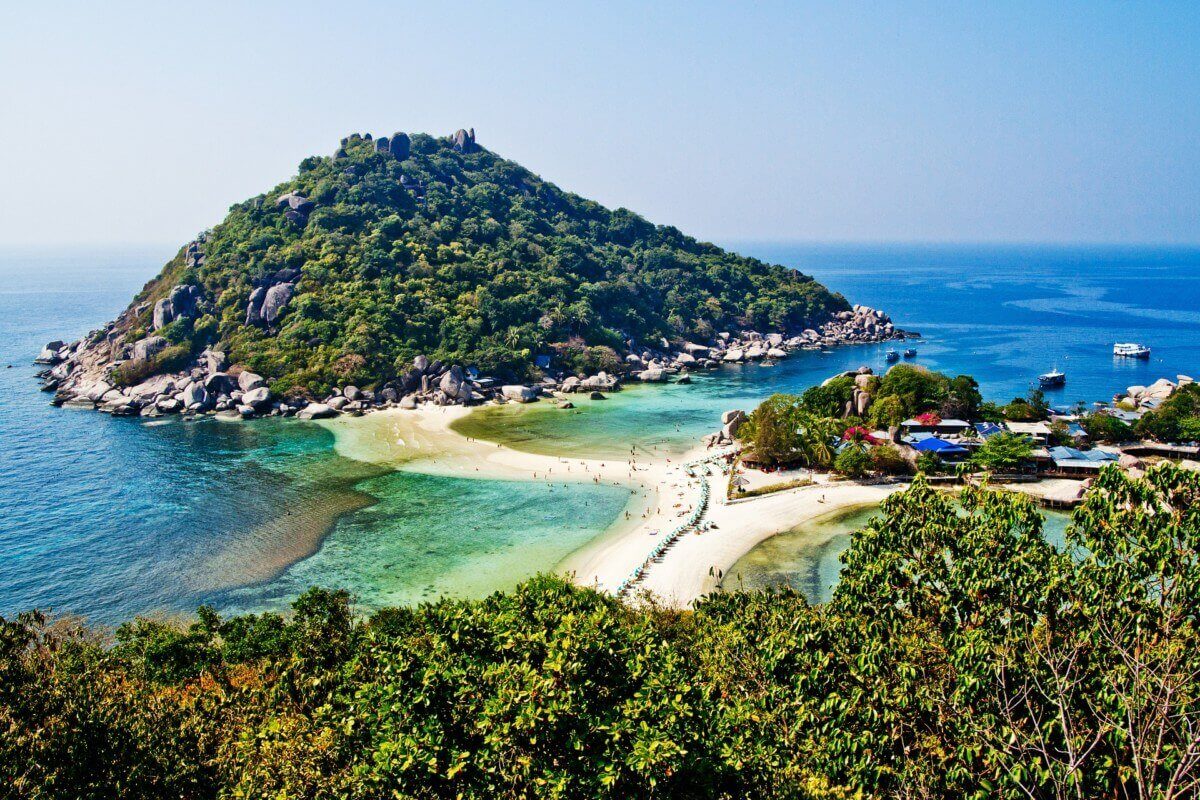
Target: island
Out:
[404,269]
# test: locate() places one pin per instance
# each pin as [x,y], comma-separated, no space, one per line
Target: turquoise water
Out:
[1001,314]
[109,517]
[808,558]
[112,517]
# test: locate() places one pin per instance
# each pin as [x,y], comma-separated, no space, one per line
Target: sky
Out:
[836,122]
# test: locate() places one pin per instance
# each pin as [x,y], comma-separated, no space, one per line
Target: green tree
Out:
[1003,451]
[1102,427]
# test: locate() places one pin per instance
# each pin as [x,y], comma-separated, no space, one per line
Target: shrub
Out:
[886,458]
[854,461]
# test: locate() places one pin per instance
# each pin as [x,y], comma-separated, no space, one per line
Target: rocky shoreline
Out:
[86,372]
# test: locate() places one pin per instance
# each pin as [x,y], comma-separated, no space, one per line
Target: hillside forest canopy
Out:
[453,252]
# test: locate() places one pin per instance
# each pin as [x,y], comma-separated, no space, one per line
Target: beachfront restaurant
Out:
[1069,461]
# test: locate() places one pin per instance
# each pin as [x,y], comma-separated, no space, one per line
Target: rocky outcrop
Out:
[464,141]
[316,411]
[296,207]
[274,300]
[520,394]
[1148,397]
[181,303]
[145,349]
[399,146]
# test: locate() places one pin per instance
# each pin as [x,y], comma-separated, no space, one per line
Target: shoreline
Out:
[661,495]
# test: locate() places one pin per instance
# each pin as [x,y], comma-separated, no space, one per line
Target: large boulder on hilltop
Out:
[162,314]
[296,202]
[464,141]
[275,300]
[399,146]
[180,303]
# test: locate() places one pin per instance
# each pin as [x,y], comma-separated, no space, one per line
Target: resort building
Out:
[950,452]
[1039,432]
[1067,461]
[953,427]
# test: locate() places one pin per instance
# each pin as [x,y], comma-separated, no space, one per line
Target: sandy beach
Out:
[661,496]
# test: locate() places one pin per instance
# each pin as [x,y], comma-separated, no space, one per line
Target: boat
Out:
[1131,350]
[1052,379]
[892,355]
[910,353]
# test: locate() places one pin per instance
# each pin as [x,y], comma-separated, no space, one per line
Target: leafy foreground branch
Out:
[961,656]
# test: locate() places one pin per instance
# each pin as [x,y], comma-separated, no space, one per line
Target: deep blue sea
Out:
[111,517]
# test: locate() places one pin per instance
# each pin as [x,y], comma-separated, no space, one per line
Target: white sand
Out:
[662,494]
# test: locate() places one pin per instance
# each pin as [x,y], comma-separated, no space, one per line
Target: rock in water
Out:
[521,394]
[256,398]
[316,411]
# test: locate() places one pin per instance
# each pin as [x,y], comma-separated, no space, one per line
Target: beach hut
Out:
[1070,461]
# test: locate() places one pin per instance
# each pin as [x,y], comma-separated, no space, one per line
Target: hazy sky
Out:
[124,122]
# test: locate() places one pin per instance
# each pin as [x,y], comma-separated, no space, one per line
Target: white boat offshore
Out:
[1131,350]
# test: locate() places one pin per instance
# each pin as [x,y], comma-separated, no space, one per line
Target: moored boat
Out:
[1052,379]
[1131,350]
[892,355]
[910,353]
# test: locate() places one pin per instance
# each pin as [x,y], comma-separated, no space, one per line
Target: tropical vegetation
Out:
[962,656]
[460,255]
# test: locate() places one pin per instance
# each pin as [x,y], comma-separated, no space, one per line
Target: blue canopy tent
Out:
[932,444]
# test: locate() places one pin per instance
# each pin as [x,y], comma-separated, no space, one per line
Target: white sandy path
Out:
[661,495]
[683,574]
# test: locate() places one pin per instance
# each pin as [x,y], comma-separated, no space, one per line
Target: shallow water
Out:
[807,558]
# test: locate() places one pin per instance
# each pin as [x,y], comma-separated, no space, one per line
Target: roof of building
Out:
[946,423]
[932,444]
[987,429]
[1030,428]
[1070,457]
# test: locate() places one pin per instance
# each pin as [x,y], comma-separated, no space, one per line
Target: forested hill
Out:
[400,246]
